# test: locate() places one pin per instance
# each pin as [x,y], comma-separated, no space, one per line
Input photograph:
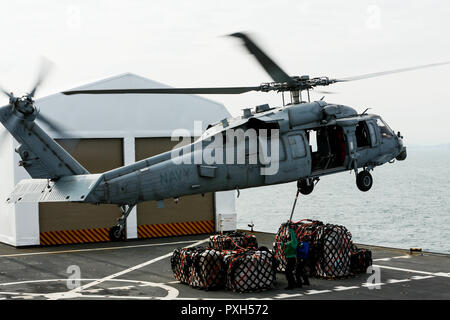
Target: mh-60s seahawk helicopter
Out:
[313,139]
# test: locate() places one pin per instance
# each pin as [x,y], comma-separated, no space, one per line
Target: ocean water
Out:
[408,205]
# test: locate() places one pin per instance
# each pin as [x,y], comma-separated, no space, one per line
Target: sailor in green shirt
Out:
[290,252]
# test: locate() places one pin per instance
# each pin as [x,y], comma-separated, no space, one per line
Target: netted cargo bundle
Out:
[304,229]
[233,241]
[250,270]
[332,253]
[360,260]
[332,250]
[199,267]
[181,262]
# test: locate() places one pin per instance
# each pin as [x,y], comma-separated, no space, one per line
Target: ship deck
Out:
[140,269]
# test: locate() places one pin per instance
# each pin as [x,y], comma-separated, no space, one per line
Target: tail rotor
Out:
[24,108]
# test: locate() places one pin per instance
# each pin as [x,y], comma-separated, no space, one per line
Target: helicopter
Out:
[299,141]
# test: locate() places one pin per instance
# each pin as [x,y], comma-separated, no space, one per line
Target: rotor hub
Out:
[24,107]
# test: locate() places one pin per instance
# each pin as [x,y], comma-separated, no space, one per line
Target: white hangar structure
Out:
[115,130]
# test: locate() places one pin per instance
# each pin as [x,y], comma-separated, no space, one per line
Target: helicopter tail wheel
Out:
[305,186]
[116,233]
[364,181]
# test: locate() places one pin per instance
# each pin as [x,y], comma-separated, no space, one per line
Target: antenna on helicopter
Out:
[365,111]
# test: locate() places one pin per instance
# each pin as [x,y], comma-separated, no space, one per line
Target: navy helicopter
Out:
[299,141]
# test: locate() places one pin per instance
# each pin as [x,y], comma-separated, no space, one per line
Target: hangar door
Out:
[63,223]
[191,215]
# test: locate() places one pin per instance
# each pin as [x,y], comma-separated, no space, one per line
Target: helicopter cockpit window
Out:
[385,131]
[362,135]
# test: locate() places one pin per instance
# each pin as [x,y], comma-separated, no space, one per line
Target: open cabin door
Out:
[294,158]
[329,149]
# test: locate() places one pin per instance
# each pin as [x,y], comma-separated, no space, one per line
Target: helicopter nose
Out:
[402,149]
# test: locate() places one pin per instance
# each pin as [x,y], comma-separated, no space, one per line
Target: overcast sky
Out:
[182,43]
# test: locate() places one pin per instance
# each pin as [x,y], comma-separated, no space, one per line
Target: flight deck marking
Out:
[342,288]
[382,259]
[421,277]
[369,285]
[286,295]
[139,266]
[317,291]
[172,292]
[442,274]
[119,297]
[227,298]
[402,257]
[171,295]
[397,280]
[121,288]
[94,290]
[437,274]
[24,296]
[390,258]
[95,249]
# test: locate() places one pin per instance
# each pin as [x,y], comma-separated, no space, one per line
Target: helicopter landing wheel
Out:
[116,233]
[305,186]
[364,181]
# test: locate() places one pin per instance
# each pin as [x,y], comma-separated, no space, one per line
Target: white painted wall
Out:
[226,216]
[105,116]
[129,158]
[26,214]
[7,212]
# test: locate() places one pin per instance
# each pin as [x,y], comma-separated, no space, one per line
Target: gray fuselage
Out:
[363,141]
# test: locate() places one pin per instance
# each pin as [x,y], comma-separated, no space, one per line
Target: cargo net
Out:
[250,270]
[241,269]
[303,229]
[199,267]
[360,260]
[332,253]
[333,244]
[233,241]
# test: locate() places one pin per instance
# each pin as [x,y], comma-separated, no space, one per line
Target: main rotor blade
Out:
[383,73]
[324,92]
[67,141]
[275,71]
[224,90]
[46,66]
